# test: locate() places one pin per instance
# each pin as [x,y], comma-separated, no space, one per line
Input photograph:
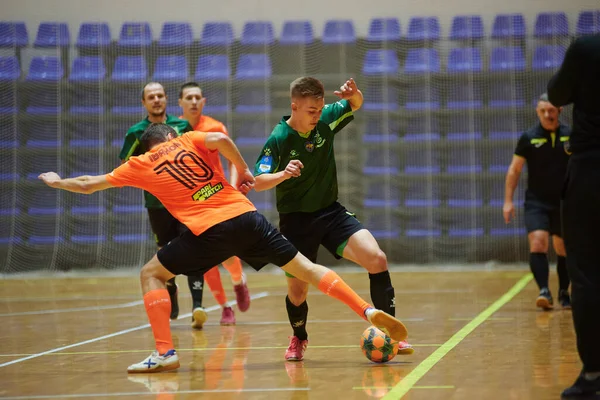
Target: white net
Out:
[422,165]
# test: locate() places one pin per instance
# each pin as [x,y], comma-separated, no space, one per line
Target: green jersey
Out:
[317,187]
[132,147]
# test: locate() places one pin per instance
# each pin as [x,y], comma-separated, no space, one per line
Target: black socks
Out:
[297,316]
[382,292]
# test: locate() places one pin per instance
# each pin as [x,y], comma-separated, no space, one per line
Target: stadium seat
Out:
[499,228]
[423,28]
[135,35]
[89,231]
[257,33]
[94,204]
[548,57]
[45,102]
[87,134]
[422,160]
[175,34]
[500,156]
[507,59]
[422,193]
[422,97]
[465,194]
[255,100]
[10,72]
[551,24]
[502,128]
[130,69]
[389,139]
[380,98]
[13,35]
[217,34]
[128,231]
[382,160]
[466,225]
[467,59]
[44,233]
[127,101]
[84,163]
[380,62]
[171,69]
[464,127]
[338,32]
[45,69]
[465,95]
[467,159]
[423,225]
[382,225]
[52,35]
[253,67]
[588,22]
[384,30]
[10,69]
[422,61]
[381,130]
[509,26]
[296,32]
[10,205]
[381,195]
[87,100]
[127,201]
[253,133]
[216,100]
[466,27]
[44,136]
[93,35]
[44,201]
[506,94]
[418,128]
[10,134]
[213,68]
[88,69]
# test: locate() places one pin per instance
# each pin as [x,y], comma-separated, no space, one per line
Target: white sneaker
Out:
[156,363]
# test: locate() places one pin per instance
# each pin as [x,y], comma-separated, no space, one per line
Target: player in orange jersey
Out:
[192,103]
[221,222]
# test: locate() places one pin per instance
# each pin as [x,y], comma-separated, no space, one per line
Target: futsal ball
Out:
[377,346]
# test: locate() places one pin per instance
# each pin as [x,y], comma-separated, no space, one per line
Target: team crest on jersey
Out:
[319,140]
[309,146]
[293,154]
[267,152]
[265,163]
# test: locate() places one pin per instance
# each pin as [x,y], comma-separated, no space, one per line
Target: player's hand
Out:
[245,181]
[293,169]
[509,211]
[50,178]
[347,90]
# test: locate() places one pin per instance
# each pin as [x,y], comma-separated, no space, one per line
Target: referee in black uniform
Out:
[578,82]
[543,148]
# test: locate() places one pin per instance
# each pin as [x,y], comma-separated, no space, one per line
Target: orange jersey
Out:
[208,124]
[183,176]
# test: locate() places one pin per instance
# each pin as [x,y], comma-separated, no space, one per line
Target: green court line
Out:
[409,381]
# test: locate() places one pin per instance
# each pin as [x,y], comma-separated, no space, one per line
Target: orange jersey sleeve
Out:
[182,175]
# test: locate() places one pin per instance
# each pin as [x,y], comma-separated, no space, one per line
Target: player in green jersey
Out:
[299,161]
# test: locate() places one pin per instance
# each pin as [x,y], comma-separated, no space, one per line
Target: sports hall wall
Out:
[422,165]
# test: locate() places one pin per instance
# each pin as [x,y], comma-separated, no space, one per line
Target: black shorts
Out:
[249,236]
[164,226]
[542,217]
[329,227]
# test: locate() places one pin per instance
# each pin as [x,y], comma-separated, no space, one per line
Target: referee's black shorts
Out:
[544,217]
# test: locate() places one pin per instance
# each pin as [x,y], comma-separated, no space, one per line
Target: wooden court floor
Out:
[477,335]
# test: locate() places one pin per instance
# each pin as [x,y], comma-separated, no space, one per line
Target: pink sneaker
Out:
[404,348]
[296,349]
[242,296]
[228,316]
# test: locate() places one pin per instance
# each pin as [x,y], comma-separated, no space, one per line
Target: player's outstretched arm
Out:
[349,91]
[224,145]
[512,180]
[85,184]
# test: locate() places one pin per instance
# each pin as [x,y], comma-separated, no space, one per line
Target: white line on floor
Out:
[76,309]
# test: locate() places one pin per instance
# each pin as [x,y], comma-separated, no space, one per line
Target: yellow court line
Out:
[71,353]
[489,319]
[409,381]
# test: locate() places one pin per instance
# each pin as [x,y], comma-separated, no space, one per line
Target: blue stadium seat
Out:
[213,68]
[87,134]
[465,194]
[419,127]
[464,127]
[44,201]
[10,133]
[466,225]
[44,136]
[10,205]
[380,62]
[466,27]
[135,35]
[422,160]
[423,225]
[423,193]
[44,232]
[52,34]
[45,69]
[93,35]
[87,100]
[423,28]
[13,35]
[10,72]
[255,100]
[381,130]
[381,161]
[381,98]
[384,30]
[338,31]
[45,102]
[171,69]
[422,61]
[499,228]
[588,22]
[257,33]
[253,133]
[548,57]
[127,201]
[422,97]
[500,156]
[130,69]
[382,225]
[176,34]
[263,201]
[506,94]
[381,195]
[502,128]
[88,231]
[127,101]
[297,32]
[94,204]
[465,160]
[217,34]
[389,139]
[126,231]
[507,59]
[85,163]
[551,24]
[88,69]
[467,59]
[465,95]
[509,26]
[253,67]
[216,100]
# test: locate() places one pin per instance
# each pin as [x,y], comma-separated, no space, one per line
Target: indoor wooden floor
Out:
[67,338]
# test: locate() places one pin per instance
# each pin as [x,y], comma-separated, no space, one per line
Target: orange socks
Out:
[333,286]
[158,308]
[234,267]
[213,279]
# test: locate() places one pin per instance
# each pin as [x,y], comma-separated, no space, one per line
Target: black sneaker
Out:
[583,389]
[564,299]
[172,289]
[544,300]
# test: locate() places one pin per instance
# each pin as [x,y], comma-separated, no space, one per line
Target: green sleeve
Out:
[130,146]
[187,128]
[337,115]
[268,159]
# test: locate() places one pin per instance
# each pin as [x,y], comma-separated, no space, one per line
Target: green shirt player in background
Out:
[164,226]
[299,161]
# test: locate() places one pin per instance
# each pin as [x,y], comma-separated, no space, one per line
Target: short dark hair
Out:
[307,87]
[154,134]
[148,84]
[187,85]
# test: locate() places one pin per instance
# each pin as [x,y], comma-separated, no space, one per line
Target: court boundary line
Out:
[409,381]
[110,335]
[75,309]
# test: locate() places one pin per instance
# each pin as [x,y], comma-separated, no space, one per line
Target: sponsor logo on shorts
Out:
[207,191]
